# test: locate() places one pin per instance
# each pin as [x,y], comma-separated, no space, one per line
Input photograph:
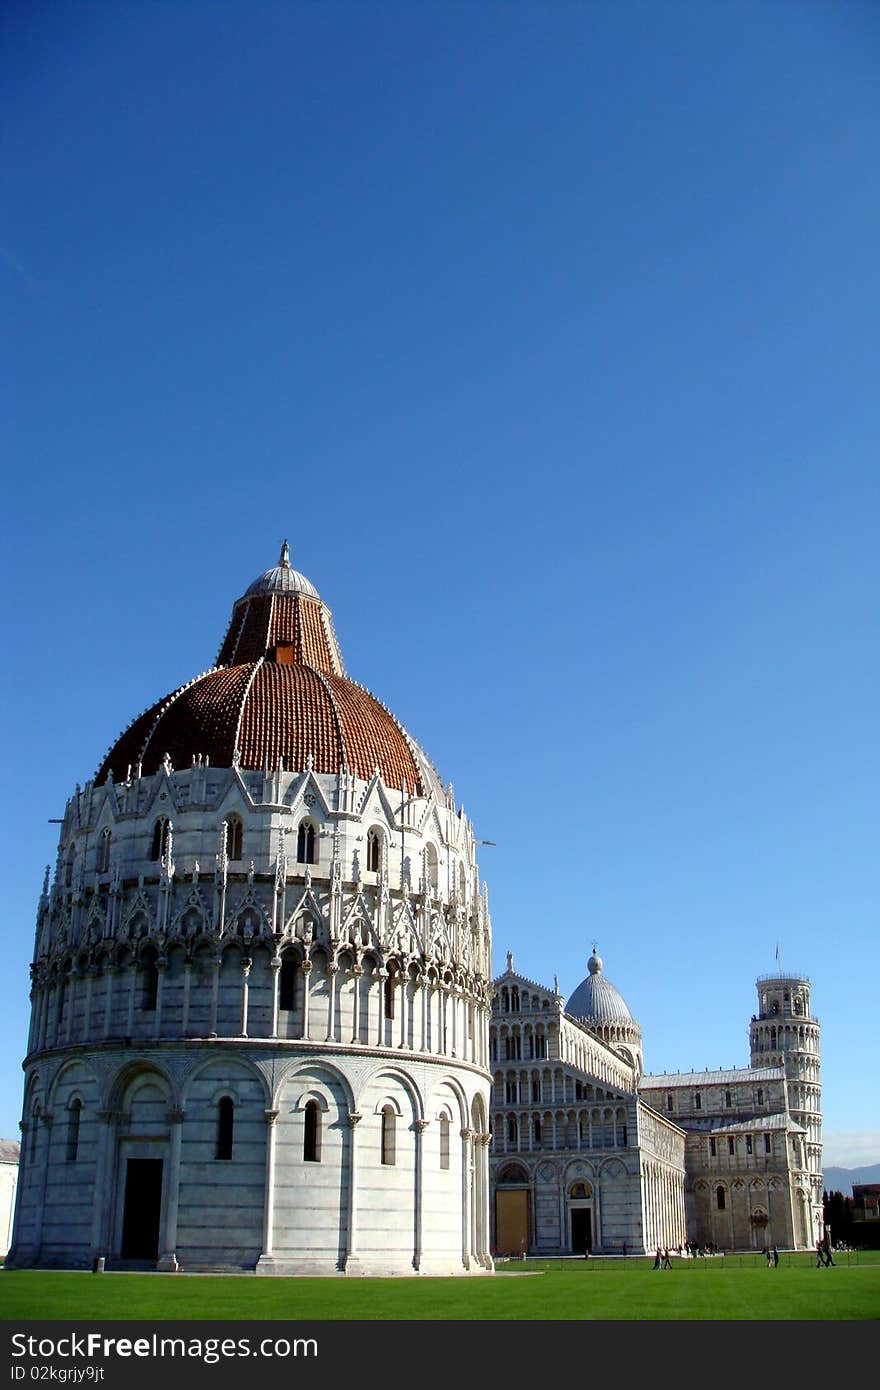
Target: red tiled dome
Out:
[283,696]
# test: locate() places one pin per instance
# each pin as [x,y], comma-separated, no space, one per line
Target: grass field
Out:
[730,1287]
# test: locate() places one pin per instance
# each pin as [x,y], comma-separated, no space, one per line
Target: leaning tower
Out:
[783,1033]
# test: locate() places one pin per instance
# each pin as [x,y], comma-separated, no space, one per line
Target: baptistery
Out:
[261,983]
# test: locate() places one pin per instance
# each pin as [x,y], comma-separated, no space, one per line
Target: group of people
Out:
[662,1260]
[823,1253]
[772,1256]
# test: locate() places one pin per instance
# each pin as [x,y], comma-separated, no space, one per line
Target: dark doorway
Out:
[581,1230]
[143,1205]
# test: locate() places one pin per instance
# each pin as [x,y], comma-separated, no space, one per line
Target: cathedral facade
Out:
[590,1154]
[261,984]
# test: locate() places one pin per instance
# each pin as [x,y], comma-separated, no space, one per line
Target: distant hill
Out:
[842,1179]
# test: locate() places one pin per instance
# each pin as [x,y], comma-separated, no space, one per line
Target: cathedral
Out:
[265,1035]
[590,1154]
[261,984]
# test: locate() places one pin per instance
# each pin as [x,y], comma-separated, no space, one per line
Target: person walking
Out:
[775,1257]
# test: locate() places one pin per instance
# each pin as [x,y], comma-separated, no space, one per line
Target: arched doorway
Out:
[580,1217]
[512,1211]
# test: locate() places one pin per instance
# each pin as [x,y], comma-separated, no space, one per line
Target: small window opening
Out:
[312,1133]
[305,843]
[287,985]
[234,837]
[444,1142]
[225,1126]
[389,1125]
[159,847]
[73,1118]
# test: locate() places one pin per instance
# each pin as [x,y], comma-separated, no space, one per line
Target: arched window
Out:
[698,1101]
[234,837]
[760,1096]
[510,1091]
[389,1128]
[514,1000]
[374,851]
[727,1099]
[536,1088]
[432,869]
[225,1126]
[159,847]
[512,1130]
[305,843]
[104,851]
[462,882]
[720,1198]
[312,1133]
[73,1116]
[444,1142]
[389,997]
[537,1130]
[287,984]
[150,973]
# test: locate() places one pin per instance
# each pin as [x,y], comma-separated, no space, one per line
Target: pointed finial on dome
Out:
[285,555]
[594,964]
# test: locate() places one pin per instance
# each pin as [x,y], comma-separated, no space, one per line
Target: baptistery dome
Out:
[261,983]
[278,696]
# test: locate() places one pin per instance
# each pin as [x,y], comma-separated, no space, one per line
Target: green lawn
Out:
[732,1287]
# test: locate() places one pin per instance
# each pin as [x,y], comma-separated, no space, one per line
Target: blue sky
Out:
[547,333]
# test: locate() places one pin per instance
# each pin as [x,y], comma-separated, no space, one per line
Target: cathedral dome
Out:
[279,694]
[596,1000]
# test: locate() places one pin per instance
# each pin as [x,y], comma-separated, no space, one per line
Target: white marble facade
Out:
[260,1002]
[589,1151]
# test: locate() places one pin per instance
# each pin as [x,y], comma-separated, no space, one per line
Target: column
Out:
[91,972]
[132,982]
[269,1196]
[357,973]
[306,970]
[275,967]
[466,1136]
[104,1153]
[332,989]
[484,1141]
[71,996]
[404,988]
[161,971]
[187,985]
[425,996]
[215,993]
[246,964]
[168,1242]
[381,976]
[46,1147]
[419,1181]
[351,1243]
